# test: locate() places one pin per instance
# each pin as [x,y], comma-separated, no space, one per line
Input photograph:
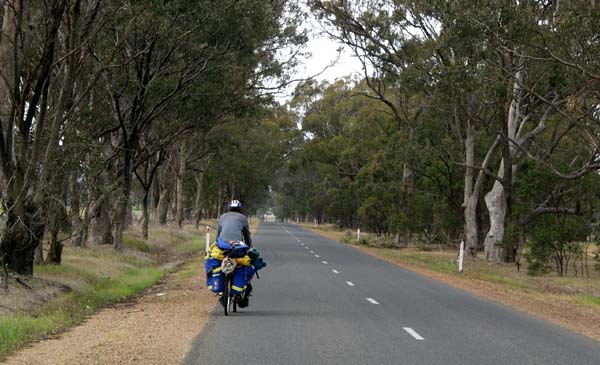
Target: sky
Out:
[323,52]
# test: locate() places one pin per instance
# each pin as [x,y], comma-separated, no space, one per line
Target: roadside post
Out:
[358,235]
[461,256]
[207,238]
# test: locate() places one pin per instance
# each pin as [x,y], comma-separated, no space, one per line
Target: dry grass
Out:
[87,279]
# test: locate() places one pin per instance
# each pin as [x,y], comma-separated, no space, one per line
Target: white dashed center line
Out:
[325,262]
[312,251]
[317,256]
[372,301]
[350,283]
[335,271]
[413,333]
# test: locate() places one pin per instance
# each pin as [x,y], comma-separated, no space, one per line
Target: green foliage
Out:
[553,240]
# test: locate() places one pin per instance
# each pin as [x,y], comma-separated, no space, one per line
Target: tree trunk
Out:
[163,205]
[129,218]
[220,202]
[470,195]
[7,62]
[145,216]
[100,225]
[155,199]
[179,203]
[198,200]
[21,238]
[123,200]
[75,207]
[56,217]
[495,201]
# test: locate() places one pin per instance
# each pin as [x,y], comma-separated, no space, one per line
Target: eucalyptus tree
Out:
[43,56]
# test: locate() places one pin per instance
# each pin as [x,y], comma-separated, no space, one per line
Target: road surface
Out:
[322,302]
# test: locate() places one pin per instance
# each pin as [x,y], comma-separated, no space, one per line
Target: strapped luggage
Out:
[233,249]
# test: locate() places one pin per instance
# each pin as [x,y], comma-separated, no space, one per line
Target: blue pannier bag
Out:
[214,276]
[241,276]
[236,250]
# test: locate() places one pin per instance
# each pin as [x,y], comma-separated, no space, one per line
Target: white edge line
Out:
[413,333]
[372,301]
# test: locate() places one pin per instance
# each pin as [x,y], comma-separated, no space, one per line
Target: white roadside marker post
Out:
[461,256]
[207,238]
[358,235]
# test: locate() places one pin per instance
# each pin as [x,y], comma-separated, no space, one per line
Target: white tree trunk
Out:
[496,200]
[497,205]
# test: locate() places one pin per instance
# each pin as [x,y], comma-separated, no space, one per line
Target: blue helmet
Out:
[234,204]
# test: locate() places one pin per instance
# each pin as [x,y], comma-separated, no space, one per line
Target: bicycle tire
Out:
[226,295]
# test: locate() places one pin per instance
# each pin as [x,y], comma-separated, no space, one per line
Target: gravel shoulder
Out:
[157,327]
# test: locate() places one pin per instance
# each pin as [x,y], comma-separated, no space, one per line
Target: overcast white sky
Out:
[324,52]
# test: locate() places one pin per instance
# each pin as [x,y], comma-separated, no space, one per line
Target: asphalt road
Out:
[322,302]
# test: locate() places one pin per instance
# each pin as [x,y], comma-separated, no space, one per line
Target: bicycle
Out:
[229,300]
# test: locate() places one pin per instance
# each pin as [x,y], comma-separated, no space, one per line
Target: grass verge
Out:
[96,276]
[73,307]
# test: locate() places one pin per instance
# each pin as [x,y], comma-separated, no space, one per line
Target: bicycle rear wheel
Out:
[226,294]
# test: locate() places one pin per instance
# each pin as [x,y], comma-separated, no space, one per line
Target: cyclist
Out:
[233,226]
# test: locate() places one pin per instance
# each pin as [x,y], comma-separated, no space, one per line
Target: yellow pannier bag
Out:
[244,261]
[216,252]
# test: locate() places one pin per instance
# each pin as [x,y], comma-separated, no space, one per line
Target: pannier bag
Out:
[255,259]
[214,275]
[241,276]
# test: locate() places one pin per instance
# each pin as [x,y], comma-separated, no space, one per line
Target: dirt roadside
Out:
[157,327]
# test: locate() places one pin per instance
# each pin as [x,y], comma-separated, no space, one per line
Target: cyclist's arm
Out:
[247,235]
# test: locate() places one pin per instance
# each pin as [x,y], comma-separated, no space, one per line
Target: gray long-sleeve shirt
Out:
[233,226]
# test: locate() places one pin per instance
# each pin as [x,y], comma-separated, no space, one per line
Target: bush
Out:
[552,240]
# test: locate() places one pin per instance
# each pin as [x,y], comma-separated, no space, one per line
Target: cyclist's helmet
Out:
[234,205]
